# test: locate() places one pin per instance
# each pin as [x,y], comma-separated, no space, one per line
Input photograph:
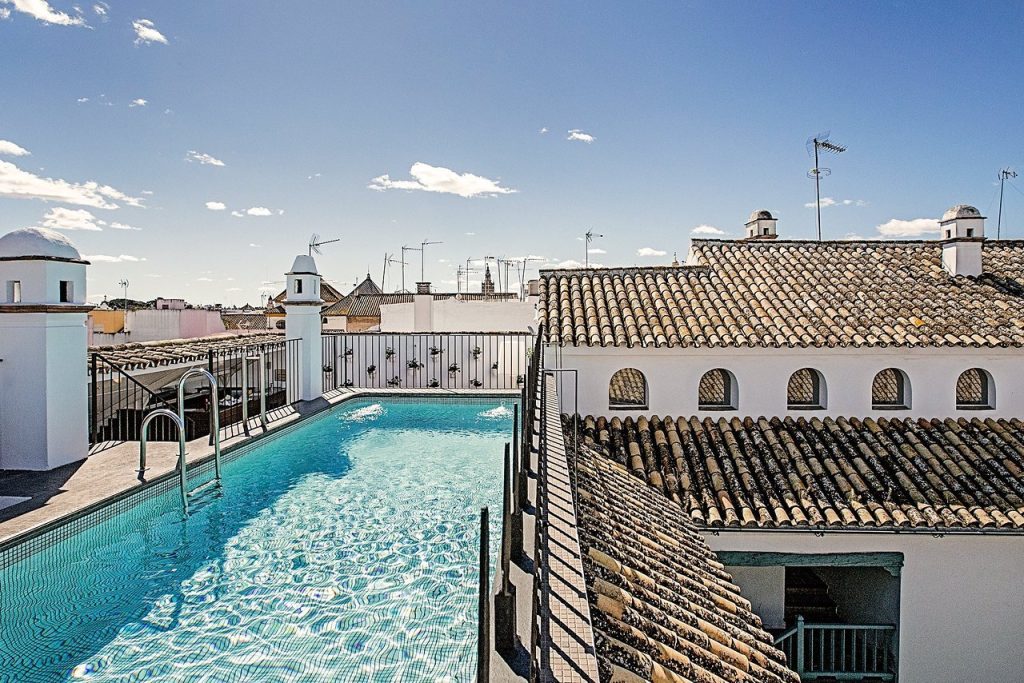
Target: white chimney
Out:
[963,233]
[761,225]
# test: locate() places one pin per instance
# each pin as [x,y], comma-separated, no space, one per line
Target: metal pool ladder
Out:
[180,424]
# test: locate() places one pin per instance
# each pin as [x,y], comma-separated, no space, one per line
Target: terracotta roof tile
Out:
[792,294]
[663,606]
[841,472]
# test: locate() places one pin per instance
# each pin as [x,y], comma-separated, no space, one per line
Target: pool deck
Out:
[112,471]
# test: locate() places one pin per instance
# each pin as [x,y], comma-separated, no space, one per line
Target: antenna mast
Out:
[315,243]
[588,238]
[123,283]
[405,249]
[423,249]
[1003,175]
[821,142]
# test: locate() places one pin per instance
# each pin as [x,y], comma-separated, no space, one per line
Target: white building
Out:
[845,428]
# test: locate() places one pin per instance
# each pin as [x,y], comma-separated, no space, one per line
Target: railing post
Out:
[214,398]
[799,645]
[505,600]
[263,388]
[483,636]
[93,436]
[245,391]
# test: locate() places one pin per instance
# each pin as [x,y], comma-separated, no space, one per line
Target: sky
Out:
[192,148]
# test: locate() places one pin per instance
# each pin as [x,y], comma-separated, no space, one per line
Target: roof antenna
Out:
[315,243]
[588,238]
[814,144]
[1003,175]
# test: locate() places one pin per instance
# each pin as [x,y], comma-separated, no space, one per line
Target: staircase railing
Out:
[840,651]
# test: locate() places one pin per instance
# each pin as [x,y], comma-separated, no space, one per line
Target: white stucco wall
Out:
[762,376]
[156,325]
[961,604]
[453,315]
[765,588]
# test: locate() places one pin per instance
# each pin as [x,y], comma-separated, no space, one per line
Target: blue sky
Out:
[337,118]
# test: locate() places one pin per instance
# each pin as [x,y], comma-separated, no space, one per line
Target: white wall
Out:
[961,604]
[762,376]
[453,315]
[765,587]
[156,325]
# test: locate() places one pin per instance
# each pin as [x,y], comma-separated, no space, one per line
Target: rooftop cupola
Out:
[963,233]
[761,225]
[303,282]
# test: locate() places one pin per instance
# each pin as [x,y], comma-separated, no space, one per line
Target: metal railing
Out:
[840,651]
[485,360]
[120,399]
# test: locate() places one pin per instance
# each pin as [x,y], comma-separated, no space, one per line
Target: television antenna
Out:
[388,260]
[423,249]
[588,238]
[1004,174]
[315,243]
[123,284]
[403,262]
[815,145]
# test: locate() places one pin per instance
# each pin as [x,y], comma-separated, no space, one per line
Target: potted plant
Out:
[394,381]
[328,368]
[477,351]
[349,383]
[476,384]
[494,365]
[389,353]
[370,369]
[348,353]
[453,368]
[434,384]
[520,379]
[436,351]
[414,364]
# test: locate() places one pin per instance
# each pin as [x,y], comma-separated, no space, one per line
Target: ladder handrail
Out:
[214,410]
[180,424]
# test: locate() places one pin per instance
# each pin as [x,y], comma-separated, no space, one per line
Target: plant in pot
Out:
[453,368]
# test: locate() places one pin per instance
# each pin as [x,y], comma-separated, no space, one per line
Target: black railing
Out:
[485,360]
[120,399]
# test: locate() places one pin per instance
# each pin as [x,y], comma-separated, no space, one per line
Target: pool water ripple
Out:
[344,551]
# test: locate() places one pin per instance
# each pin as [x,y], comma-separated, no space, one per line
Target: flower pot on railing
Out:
[494,366]
[328,368]
[434,384]
[453,368]
[476,384]
[477,351]
[414,364]
[520,379]
[370,369]
[348,355]
[394,381]
[389,353]
[435,352]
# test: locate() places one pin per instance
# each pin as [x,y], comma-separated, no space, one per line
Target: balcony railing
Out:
[840,652]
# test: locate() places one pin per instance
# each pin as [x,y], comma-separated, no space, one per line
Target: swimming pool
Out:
[345,550]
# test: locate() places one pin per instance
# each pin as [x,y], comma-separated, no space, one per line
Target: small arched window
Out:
[279,324]
[627,390]
[806,390]
[717,390]
[974,390]
[890,390]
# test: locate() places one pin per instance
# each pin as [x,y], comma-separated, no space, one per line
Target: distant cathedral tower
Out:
[487,286]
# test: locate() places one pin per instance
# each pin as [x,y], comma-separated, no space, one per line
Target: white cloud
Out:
[139,102]
[649,251]
[915,227]
[237,214]
[5,14]
[122,226]
[830,201]
[315,175]
[60,218]
[543,131]
[470,234]
[280,212]
[578,135]
[203,158]
[233,289]
[707,230]
[41,10]
[10,149]
[21,184]
[215,206]
[596,250]
[204,279]
[439,179]
[258,211]
[82,100]
[145,32]
[100,8]
[572,263]
[147,192]
[123,258]
[255,246]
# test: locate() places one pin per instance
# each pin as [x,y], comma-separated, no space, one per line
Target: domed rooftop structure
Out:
[42,243]
[761,215]
[305,265]
[961,211]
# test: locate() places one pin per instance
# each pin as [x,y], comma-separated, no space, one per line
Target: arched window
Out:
[806,390]
[717,390]
[974,390]
[627,390]
[279,324]
[890,390]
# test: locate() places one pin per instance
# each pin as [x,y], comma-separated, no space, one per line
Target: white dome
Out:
[760,215]
[304,264]
[961,211]
[39,242]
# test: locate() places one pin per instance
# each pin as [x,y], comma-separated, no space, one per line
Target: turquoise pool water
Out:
[345,550]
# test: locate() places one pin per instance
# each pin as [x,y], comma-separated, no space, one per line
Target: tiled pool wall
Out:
[134,505]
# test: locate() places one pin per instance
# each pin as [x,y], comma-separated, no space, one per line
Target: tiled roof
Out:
[244,321]
[833,473]
[663,607]
[140,355]
[365,305]
[792,293]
